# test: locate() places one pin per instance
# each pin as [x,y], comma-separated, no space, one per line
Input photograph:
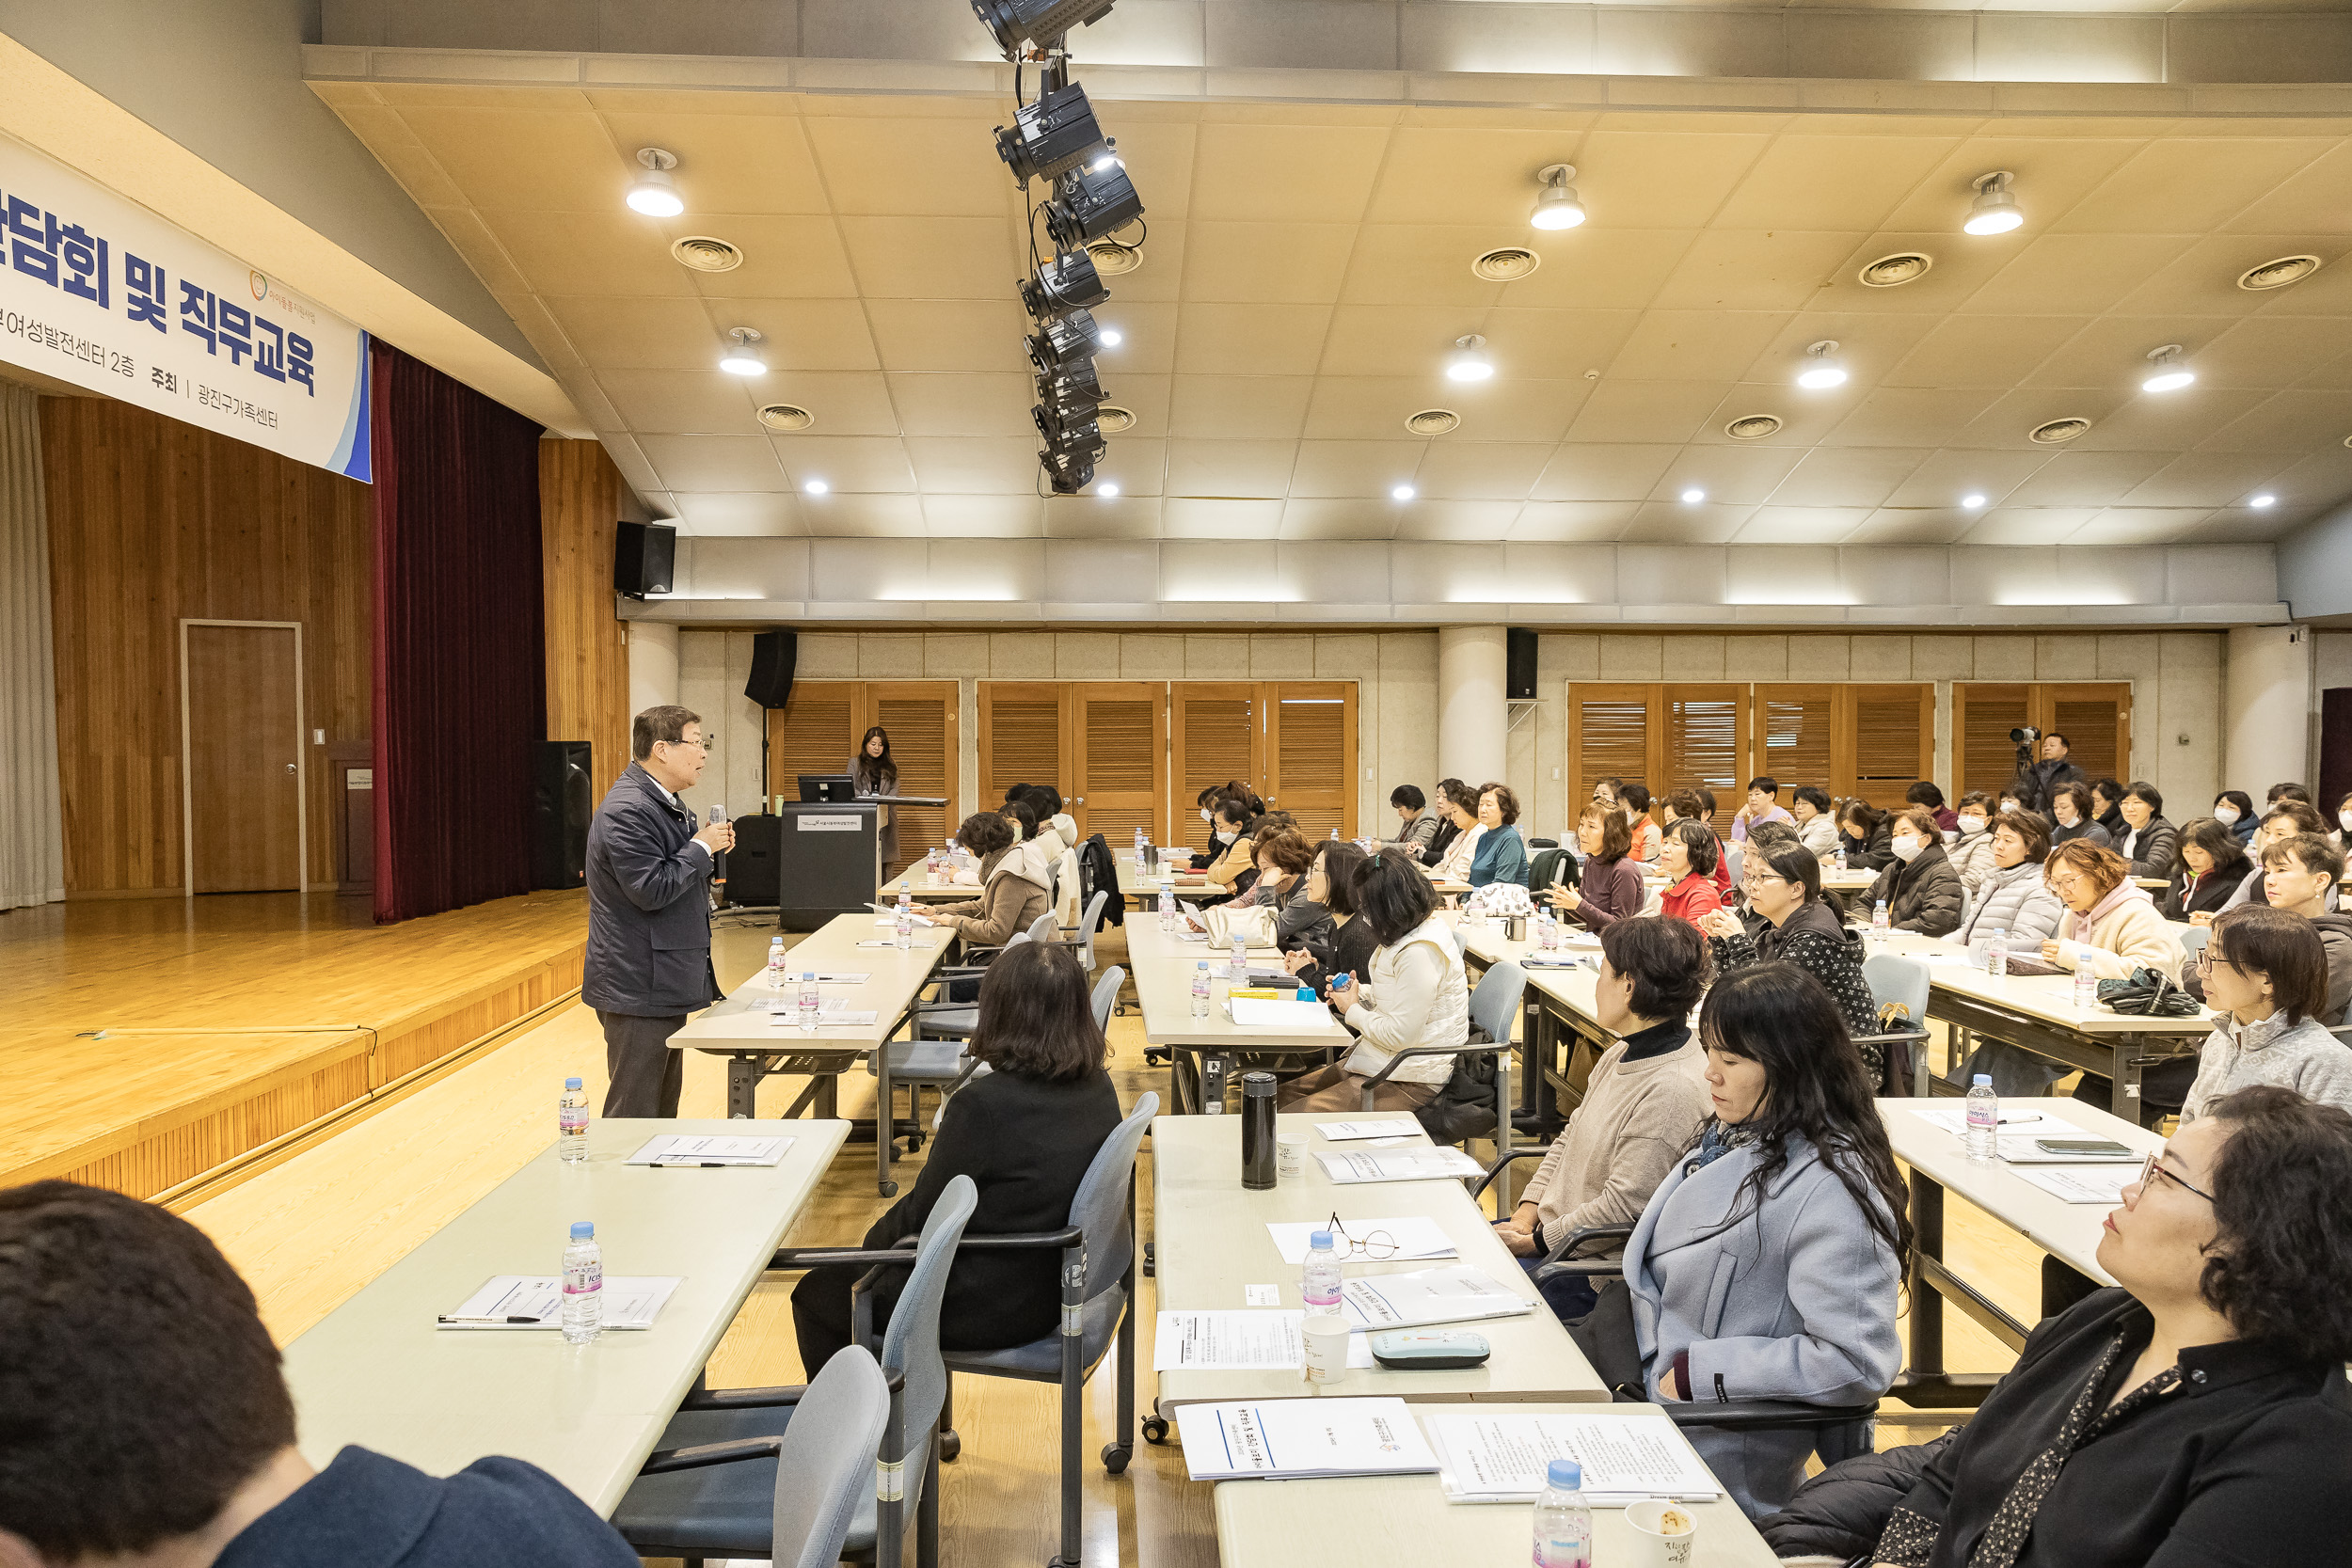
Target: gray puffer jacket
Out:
[2015,901]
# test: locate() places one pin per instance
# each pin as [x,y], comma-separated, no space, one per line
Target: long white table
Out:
[757,1046]
[378,1373]
[1406,1522]
[1211,1241]
[1161,963]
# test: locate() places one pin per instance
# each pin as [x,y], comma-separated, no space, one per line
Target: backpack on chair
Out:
[1464,1107]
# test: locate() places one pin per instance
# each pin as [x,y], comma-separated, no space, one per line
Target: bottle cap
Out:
[1320,1239]
[808,975]
[1257,1085]
[1202,964]
[583,1230]
[1565,1475]
[1984,1080]
[571,1082]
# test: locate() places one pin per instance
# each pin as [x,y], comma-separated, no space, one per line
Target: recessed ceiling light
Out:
[1972,502]
[654,193]
[1401,493]
[1108,487]
[1994,211]
[1693,496]
[1821,368]
[816,487]
[743,360]
[1112,336]
[1557,207]
[2262,500]
[1891,272]
[1470,361]
[2168,371]
[2277,274]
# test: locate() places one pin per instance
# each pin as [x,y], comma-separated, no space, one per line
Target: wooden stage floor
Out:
[147,1042]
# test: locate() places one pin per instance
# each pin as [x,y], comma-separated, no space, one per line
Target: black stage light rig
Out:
[1035,23]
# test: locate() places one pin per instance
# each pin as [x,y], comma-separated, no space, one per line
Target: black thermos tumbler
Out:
[1257,1131]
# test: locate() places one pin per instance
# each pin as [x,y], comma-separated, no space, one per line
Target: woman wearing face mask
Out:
[2072,808]
[2012,797]
[2283,821]
[2235,810]
[1817,830]
[1611,888]
[2212,864]
[2202,1401]
[2015,901]
[2149,842]
[1971,853]
[1782,885]
[1686,858]
[1233,867]
[2343,833]
[1921,889]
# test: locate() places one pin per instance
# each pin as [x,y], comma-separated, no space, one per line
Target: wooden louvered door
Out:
[1893,740]
[1021,737]
[1983,756]
[1309,736]
[1119,759]
[814,732]
[1610,735]
[2096,720]
[1213,740]
[920,719]
[1705,738]
[1795,733]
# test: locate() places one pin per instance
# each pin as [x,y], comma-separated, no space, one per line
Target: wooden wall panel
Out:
[580,504]
[151,521]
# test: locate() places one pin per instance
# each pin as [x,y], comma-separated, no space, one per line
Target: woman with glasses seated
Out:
[2195,1413]
[2111,924]
[2265,973]
[1783,884]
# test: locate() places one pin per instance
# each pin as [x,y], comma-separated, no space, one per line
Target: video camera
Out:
[2027,737]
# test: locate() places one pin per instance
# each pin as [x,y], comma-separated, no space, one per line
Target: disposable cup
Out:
[1327,1347]
[1655,1542]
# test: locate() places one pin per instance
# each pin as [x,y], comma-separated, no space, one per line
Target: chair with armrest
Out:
[717,1485]
[1493,1006]
[1080,938]
[1097,1254]
[1898,981]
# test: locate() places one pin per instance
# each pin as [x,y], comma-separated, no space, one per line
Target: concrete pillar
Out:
[653,680]
[2267,702]
[1472,729]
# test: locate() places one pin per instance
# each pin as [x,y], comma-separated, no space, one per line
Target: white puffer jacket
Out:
[1419,994]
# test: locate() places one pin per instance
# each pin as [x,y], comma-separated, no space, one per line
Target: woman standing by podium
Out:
[873,773]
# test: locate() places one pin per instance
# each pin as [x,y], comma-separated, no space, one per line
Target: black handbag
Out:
[1607,1337]
[2148,993]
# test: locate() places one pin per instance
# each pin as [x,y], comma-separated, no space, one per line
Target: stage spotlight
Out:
[1073,426]
[743,360]
[1056,132]
[1090,201]
[1071,382]
[1018,23]
[1059,342]
[1068,282]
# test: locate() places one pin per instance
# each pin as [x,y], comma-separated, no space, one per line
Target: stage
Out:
[148,1041]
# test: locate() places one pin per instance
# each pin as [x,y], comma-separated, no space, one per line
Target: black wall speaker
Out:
[643,555]
[1519,684]
[753,864]
[563,804]
[773,654]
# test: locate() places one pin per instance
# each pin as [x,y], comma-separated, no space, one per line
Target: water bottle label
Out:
[584,1280]
[572,1121]
[1563,1551]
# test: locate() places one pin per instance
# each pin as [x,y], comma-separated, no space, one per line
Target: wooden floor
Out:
[146,1041]
[309,1232]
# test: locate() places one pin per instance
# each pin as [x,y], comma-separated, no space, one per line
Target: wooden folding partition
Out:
[1307,741]
[1663,736]
[1103,744]
[819,731]
[2095,716]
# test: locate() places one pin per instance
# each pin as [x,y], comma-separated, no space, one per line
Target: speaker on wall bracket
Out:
[643,555]
[1519,660]
[773,656]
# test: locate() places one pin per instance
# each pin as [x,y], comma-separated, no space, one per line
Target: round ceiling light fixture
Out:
[1112,419]
[1107,489]
[1996,210]
[1505,264]
[786,416]
[1402,493]
[743,360]
[2055,431]
[1821,367]
[1469,363]
[1558,206]
[1112,258]
[2168,371]
[704,254]
[1890,272]
[2262,501]
[656,195]
[1111,337]
[2277,274]
[1433,422]
[1693,496]
[816,487]
[1752,427]
[1972,500]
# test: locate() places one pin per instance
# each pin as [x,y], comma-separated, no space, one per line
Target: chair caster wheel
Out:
[914,1143]
[1154,1429]
[1115,1457]
[887,1189]
[1150,1259]
[950,1445]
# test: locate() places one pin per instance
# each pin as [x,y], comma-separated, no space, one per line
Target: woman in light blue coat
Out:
[1767,1263]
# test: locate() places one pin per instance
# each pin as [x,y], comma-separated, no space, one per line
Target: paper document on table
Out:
[1250,1012]
[1413,1236]
[1501,1459]
[1300,1438]
[828,1017]
[1344,1132]
[627,1303]
[1404,1164]
[886,942]
[1952,1116]
[690,1148]
[2101,1184]
[1455,1295]
[1243,1341]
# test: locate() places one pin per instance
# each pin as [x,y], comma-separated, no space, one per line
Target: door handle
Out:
[289,767]
[1079,801]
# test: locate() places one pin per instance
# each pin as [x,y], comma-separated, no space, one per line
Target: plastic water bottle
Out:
[1335,836]
[583,1285]
[571,1124]
[1997,956]
[930,868]
[1200,988]
[1167,904]
[1984,1120]
[1842,857]
[1240,966]
[1547,932]
[810,1005]
[1878,927]
[1319,1282]
[775,963]
[1141,838]
[902,933]
[2085,984]
[1564,1522]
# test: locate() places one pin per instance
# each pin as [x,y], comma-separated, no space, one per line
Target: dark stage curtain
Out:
[460,663]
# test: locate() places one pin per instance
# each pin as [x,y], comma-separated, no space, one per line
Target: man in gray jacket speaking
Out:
[649,912]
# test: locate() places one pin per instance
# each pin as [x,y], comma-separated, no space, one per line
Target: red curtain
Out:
[460,662]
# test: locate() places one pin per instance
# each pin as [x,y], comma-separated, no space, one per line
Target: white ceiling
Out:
[1308,267]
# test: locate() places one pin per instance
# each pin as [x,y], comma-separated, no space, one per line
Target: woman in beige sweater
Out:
[1013,883]
[2110,923]
[1646,1100]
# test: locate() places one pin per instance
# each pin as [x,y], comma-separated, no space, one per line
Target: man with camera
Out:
[2049,775]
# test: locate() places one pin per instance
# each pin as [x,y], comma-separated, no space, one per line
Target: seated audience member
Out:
[1502,853]
[1024,1131]
[2235,810]
[144,1421]
[1687,803]
[2265,973]
[1921,890]
[2299,875]
[1023,819]
[1460,804]
[2015,795]
[1605,790]
[1864,834]
[1414,830]
[2285,820]
[1644,1105]
[2287,792]
[1808,808]
[1347,949]
[1014,884]
[2149,841]
[2075,815]
[1299,918]
[2196,1413]
[2015,901]
[1926,794]
[1611,887]
[2342,830]
[1688,861]
[1234,867]
[1782,885]
[1971,852]
[2110,923]
[1648,835]
[2105,794]
[1763,806]
[1222,830]
[1767,1263]
[1417,993]
[1442,840]
[2212,864]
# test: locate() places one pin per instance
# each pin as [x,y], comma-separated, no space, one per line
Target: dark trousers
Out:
[646,1073]
[1569,1295]
[820,1314]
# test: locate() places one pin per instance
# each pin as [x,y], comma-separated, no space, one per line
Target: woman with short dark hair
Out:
[2265,975]
[1024,1131]
[2212,864]
[1414,832]
[1502,853]
[1862,833]
[1687,858]
[1346,948]
[2111,924]
[1782,885]
[2075,815]
[1810,809]
[2104,793]
[2149,842]
[1234,865]
[2235,810]
[1648,838]
[1417,993]
[1013,883]
[1920,889]
[1609,886]
[1459,803]
[1283,857]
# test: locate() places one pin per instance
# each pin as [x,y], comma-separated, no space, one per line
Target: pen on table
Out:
[459,1318]
[693,1164]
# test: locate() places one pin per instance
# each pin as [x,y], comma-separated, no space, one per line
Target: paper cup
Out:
[1290,1156]
[1327,1347]
[1662,1533]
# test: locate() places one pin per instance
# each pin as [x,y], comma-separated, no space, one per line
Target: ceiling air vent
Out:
[1507,265]
[786,417]
[1111,258]
[1752,427]
[1906,266]
[704,254]
[1432,421]
[2057,431]
[2279,273]
[1112,419]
